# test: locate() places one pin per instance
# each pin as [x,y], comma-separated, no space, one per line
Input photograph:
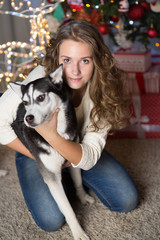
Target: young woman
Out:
[97,94]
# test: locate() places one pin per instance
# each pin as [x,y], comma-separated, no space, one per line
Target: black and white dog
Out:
[40,98]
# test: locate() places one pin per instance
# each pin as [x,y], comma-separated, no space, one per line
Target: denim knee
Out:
[127,202]
[131,203]
[50,224]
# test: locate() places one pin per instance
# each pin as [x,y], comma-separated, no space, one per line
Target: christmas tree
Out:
[125,21]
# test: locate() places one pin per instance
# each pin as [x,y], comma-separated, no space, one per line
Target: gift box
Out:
[145,121]
[131,61]
[155,58]
[147,82]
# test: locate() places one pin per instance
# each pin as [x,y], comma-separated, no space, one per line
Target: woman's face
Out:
[77,60]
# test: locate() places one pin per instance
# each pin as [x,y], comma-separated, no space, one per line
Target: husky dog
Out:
[40,98]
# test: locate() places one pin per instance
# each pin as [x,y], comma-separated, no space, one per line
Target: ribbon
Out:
[147,82]
[138,119]
[140,81]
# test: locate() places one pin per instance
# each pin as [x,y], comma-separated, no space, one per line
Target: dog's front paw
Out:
[87,199]
[81,236]
[84,237]
[84,197]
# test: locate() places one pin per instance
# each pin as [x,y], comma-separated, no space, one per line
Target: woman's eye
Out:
[66,60]
[41,98]
[85,61]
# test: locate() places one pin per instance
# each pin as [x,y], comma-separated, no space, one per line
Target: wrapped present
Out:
[145,121]
[131,61]
[147,82]
[155,59]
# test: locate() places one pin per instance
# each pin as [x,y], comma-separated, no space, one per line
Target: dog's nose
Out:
[30,119]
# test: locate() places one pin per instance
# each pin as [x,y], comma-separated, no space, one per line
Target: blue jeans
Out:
[108,179]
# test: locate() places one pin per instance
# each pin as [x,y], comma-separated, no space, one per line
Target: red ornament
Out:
[152,33]
[114,18]
[76,7]
[136,12]
[145,5]
[103,28]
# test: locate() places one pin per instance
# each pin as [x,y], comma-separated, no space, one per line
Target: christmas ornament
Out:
[152,32]
[69,14]
[75,4]
[136,12]
[155,7]
[115,18]
[123,6]
[103,28]
[145,5]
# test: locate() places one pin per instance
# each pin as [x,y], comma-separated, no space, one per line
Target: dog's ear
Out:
[16,87]
[56,76]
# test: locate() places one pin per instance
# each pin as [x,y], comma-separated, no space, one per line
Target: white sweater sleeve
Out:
[8,108]
[92,145]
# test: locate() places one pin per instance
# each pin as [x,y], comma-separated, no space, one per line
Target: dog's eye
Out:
[25,103]
[41,98]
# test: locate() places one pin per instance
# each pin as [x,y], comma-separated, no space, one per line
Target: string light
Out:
[22,51]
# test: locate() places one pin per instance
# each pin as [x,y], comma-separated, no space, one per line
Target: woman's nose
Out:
[76,69]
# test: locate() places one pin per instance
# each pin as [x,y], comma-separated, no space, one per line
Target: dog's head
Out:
[40,97]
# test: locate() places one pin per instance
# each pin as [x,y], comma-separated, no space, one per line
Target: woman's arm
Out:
[71,151]
[18,146]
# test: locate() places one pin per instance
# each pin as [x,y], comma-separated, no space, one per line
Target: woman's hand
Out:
[48,130]
[71,151]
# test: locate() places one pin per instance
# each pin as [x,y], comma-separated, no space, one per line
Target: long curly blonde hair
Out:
[106,88]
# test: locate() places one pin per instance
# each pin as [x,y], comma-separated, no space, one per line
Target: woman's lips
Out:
[75,79]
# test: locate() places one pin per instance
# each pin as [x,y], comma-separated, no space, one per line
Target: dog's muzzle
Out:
[29,119]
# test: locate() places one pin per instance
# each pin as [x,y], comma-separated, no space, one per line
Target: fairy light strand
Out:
[22,51]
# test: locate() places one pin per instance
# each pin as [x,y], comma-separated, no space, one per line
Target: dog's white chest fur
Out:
[61,124]
[53,160]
